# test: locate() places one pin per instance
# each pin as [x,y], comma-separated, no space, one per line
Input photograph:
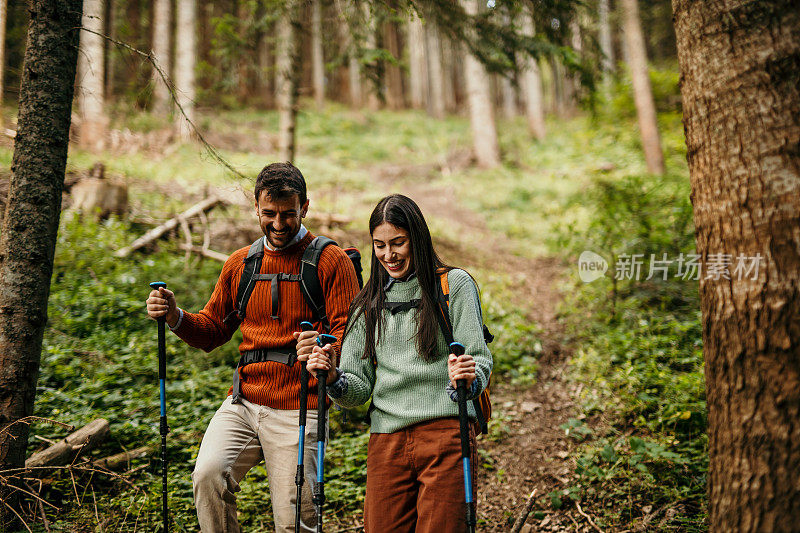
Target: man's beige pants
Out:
[238,436]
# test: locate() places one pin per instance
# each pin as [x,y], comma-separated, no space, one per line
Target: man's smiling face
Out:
[280,219]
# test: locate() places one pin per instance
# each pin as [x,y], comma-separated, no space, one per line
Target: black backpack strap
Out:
[309,279]
[252,265]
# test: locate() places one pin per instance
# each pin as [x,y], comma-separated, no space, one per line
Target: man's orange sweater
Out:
[270,383]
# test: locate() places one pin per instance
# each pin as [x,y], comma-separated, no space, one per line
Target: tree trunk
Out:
[287,81]
[435,83]
[185,60]
[371,43]
[532,85]
[604,38]
[317,59]
[91,61]
[739,67]
[481,113]
[3,19]
[509,98]
[394,80]
[417,66]
[162,14]
[30,224]
[642,93]
[448,66]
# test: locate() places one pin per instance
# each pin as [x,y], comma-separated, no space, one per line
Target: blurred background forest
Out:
[527,131]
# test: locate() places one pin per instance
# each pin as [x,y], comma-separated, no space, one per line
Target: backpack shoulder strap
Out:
[252,265]
[447,329]
[309,278]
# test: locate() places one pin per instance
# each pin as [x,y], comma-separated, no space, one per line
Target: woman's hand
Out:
[461,368]
[320,359]
[161,303]
[306,340]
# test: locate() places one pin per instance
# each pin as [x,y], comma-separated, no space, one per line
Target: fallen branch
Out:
[587,517]
[123,459]
[68,449]
[155,233]
[525,512]
[211,254]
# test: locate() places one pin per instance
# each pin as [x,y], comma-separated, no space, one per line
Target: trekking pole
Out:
[461,389]
[162,376]
[300,477]
[322,379]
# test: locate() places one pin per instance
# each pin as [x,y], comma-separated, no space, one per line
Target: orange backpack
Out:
[482,404]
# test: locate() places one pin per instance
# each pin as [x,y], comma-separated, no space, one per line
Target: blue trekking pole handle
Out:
[163,429]
[461,390]
[322,385]
[300,476]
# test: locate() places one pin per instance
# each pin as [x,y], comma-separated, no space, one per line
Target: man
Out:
[259,418]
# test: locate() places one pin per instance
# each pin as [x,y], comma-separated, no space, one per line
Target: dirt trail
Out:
[534,451]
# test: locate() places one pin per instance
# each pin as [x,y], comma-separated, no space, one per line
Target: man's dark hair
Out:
[281,180]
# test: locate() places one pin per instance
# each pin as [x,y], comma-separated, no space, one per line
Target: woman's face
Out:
[392,247]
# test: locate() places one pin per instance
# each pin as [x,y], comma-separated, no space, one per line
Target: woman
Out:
[394,351]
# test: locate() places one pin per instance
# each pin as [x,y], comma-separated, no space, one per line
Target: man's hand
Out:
[461,367]
[161,303]
[306,340]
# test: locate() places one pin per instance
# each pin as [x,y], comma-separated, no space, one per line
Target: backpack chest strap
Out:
[275,288]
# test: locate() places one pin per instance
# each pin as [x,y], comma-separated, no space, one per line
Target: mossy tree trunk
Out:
[740,70]
[30,223]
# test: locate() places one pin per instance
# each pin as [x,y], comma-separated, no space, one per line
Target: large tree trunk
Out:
[433,51]
[3,19]
[287,81]
[91,63]
[30,224]
[448,68]
[185,60]
[417,66]
[162,15]
[739,66]
[642,92]
[532,85]
[481,112]
[317,59]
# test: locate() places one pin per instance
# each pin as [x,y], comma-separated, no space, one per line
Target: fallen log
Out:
[200,207]
[66,450]
[123,459]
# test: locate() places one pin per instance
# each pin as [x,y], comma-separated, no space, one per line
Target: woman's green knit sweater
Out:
[406,389]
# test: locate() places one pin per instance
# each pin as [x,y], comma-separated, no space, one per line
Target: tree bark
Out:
[3,20]
[185,61]
[436,104]
[739,66]
[30,223]
[448,68]
[532,85]
[317,59]
[481,112]
[162,15]
[642,92]
[91,65]
[417,63]
[394,80]
[287,80]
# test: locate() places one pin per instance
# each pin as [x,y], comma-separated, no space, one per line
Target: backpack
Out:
[308,278]
[309,286]
[482,404]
